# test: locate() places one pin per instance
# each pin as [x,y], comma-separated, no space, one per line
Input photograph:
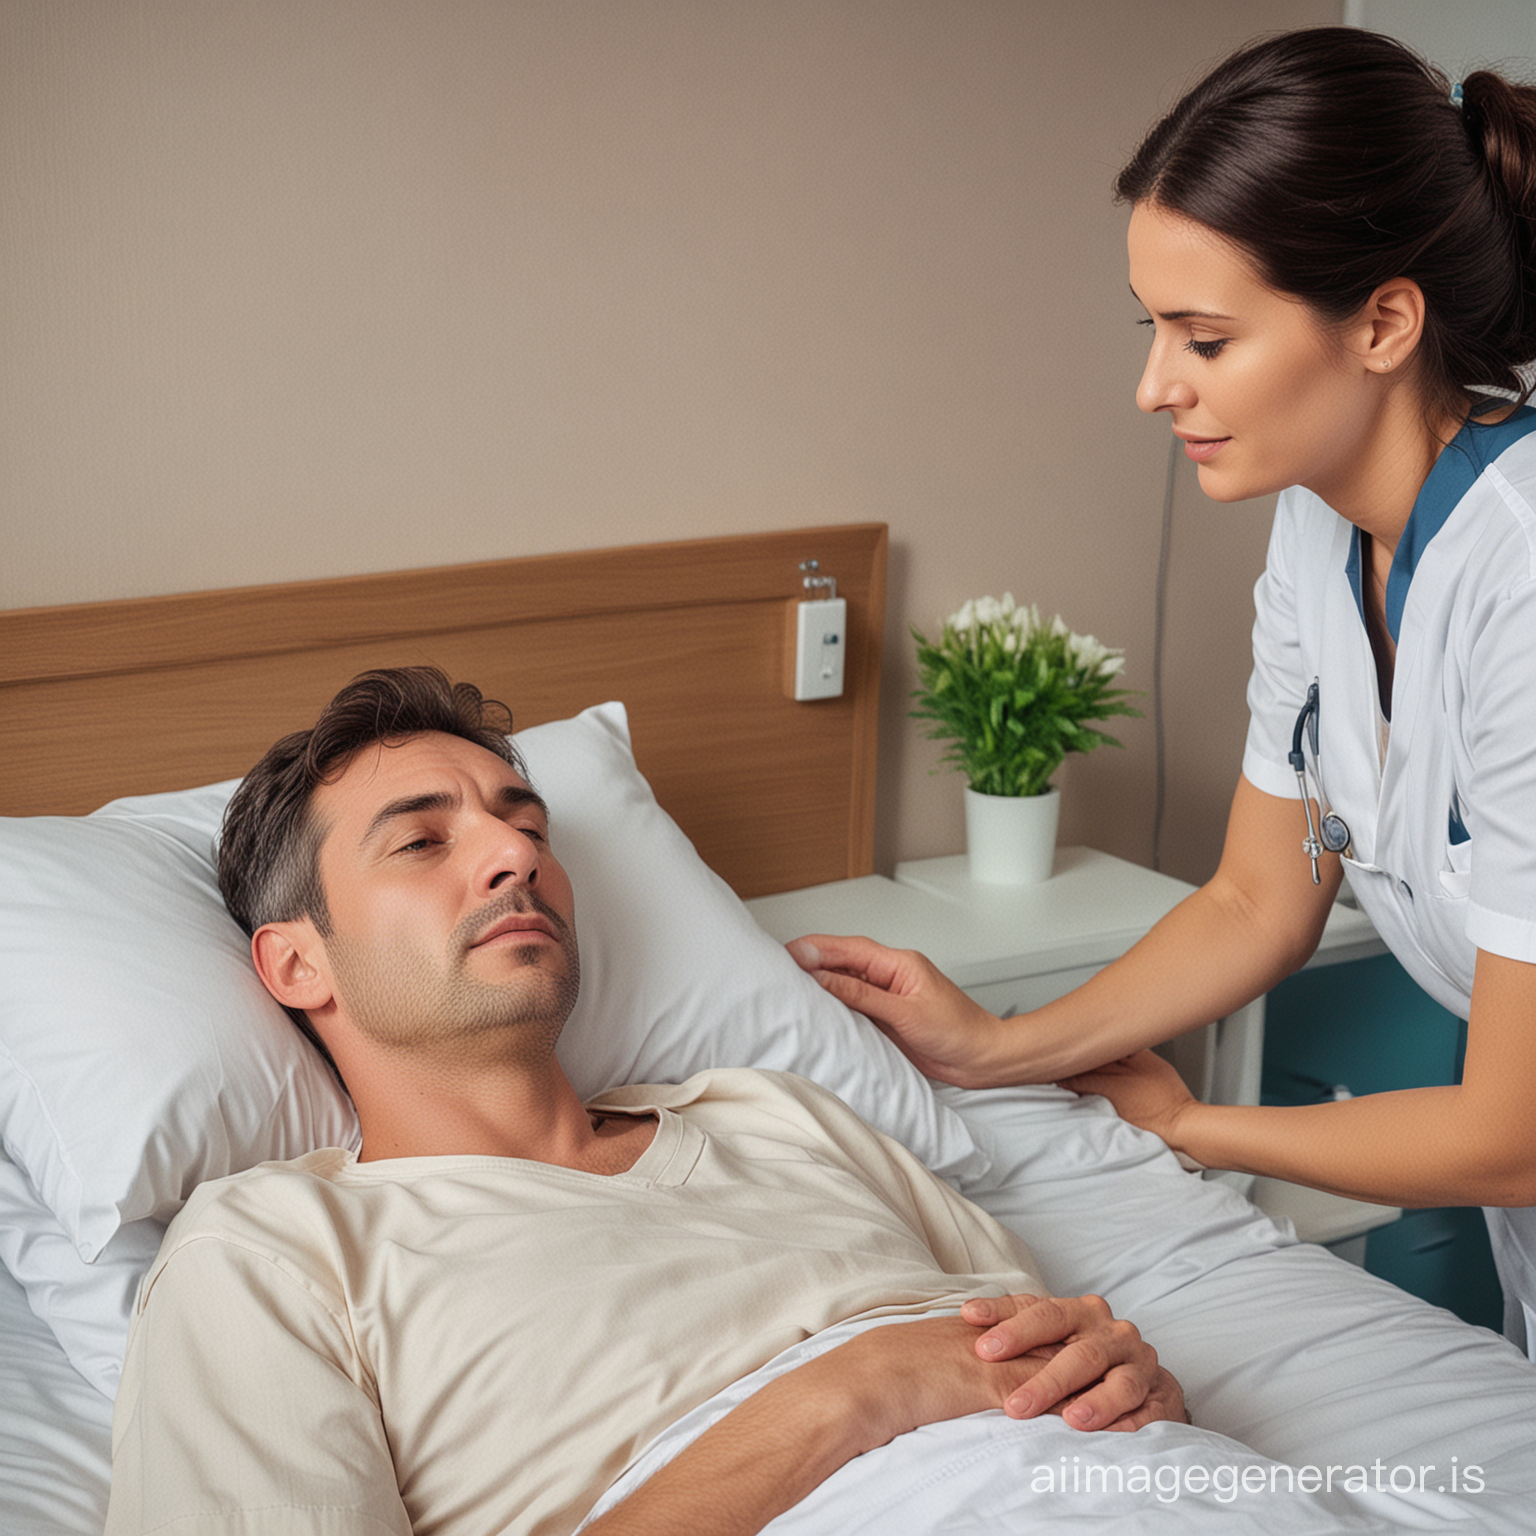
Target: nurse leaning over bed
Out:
[1334,248]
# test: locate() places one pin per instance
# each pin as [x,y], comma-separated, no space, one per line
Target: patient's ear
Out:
[289,960]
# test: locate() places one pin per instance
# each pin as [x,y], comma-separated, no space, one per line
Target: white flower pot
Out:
[1011,839]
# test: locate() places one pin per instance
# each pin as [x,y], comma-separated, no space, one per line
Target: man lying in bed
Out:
[477,1322]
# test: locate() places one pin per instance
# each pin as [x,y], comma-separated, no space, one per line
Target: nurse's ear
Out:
[1385,332]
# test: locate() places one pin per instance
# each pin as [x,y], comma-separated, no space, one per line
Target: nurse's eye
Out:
[1205,349]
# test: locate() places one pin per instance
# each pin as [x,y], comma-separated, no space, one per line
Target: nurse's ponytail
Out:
[1338,159]
[1501,117]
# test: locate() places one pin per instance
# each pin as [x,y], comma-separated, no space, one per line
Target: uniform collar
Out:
[1455,471]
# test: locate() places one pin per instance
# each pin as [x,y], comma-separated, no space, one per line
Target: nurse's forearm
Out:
[1257,919]
[1204,960]
[1412,1147]
[1249,927]
[1474,1144]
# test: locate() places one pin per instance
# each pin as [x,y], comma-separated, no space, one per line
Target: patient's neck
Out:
[409,1105]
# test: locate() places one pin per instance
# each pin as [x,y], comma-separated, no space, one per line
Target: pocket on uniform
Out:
[1456,865]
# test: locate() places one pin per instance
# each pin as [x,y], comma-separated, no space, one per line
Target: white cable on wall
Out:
[1160,615]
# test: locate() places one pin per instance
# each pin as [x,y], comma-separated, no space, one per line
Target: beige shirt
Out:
[476,1345]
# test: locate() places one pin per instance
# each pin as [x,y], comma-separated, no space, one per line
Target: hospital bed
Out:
[138,1055]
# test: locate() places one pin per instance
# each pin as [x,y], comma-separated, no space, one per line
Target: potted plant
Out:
[1013,695]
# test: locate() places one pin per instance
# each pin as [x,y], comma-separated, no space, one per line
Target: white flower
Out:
[1016,629]
[1086,651]
[1093,657]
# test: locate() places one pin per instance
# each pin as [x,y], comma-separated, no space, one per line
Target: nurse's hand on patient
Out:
[946,1035]
[1101,1374]
[1145,1089]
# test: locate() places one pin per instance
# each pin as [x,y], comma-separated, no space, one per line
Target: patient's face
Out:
[451,918]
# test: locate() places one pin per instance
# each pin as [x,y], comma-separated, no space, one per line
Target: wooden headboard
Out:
[104,699]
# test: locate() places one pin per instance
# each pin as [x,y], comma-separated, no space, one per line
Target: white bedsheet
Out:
[55,1431]
[987,1474]
[1286,1353]
[1280,1345]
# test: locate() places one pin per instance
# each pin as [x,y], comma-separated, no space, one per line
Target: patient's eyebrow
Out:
[508,797]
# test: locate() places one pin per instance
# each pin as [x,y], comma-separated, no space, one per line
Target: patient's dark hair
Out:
[1337,159]
[269,868]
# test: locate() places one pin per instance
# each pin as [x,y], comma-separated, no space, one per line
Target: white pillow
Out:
[88,1306]
[140,1055]
[677,976]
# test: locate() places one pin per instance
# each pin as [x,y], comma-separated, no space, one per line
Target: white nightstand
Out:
[1015,948]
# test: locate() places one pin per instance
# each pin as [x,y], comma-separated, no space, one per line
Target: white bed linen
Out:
[55,1430]
[1280,1345]
[988,1474]
[1294,1354]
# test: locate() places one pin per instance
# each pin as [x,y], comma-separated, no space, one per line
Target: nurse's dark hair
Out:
[269,847]
[1337,159]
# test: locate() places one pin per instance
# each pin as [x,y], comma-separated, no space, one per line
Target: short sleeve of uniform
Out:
[241,1409]
[1501,799]
[1278,682]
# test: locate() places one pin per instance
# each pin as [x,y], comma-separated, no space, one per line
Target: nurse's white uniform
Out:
[1441,807]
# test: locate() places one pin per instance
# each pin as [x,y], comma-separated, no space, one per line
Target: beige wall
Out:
[295,288]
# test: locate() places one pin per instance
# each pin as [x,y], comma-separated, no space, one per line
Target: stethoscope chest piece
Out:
[1335,833]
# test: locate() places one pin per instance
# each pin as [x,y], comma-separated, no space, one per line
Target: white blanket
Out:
[986,1474]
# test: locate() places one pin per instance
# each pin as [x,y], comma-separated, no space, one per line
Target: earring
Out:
[1386,363]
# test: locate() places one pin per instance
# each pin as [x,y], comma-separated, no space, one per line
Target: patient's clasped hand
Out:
[477,1322]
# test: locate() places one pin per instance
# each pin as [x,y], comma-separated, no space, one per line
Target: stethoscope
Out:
[1333,834]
